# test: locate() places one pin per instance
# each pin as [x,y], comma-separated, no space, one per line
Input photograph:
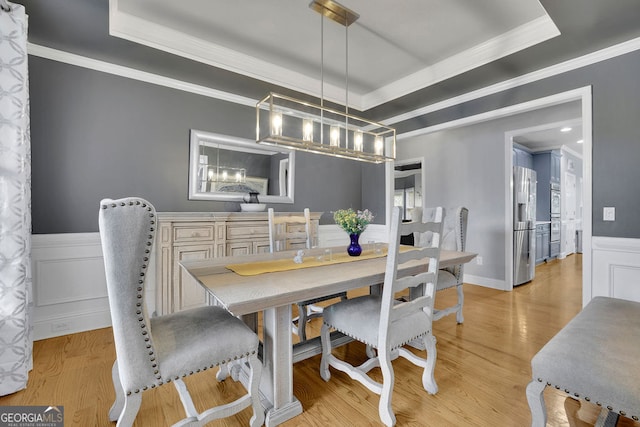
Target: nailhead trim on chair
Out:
[373,345]
[588,399]
[140,296]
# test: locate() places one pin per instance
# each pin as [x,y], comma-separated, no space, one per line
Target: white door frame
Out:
[582,94]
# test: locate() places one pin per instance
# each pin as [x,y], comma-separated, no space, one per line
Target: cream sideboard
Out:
[199,235]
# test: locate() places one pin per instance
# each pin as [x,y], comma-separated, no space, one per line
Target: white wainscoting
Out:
[69,286]
[70,293]
[616,268]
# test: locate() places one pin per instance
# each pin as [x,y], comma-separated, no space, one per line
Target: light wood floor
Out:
[482,369]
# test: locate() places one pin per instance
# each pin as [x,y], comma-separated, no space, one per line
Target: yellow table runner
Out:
[310,259]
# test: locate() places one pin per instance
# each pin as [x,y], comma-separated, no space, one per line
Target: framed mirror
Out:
[227,168]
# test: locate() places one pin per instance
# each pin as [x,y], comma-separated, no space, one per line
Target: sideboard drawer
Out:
[201,235]
[247,230]
[193,233]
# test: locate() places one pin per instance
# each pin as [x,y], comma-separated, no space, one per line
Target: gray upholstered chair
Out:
[153,351]
[294,232]
[387,325]
[454,237]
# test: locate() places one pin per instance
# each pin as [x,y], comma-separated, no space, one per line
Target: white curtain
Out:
[16,338]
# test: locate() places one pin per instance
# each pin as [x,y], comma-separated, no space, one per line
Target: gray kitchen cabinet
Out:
[543,232]
[547,167]
[555,167]
[522,158]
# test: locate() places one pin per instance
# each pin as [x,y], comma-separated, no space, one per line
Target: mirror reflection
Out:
[408,188]
[228,168]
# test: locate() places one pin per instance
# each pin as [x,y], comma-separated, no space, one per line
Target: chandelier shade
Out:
[300,125]
[289,122]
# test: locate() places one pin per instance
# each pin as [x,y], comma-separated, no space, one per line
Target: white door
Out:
[569,214]
[570,201]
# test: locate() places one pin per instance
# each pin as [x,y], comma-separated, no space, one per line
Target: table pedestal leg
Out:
[276,385]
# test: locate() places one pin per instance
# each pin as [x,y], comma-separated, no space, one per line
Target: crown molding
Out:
[132,73]
[519,38]
[159,37]
[553,70]
[547,101]
[139,30]
[563,67]
[572,152]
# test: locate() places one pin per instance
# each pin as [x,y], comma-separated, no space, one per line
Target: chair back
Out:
[454,234]
[423,282]
[289,231]
[127,232]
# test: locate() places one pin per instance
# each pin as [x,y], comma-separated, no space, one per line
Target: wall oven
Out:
[554,236]
[555,200]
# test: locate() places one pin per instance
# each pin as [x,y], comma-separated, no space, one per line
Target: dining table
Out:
[272,282]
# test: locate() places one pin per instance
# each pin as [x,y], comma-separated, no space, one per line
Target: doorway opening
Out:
[489,274]
[554,151]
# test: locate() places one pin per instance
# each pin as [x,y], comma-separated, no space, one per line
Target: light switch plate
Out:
[609,214]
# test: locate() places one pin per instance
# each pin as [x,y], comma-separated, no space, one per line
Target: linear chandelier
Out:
[285,121]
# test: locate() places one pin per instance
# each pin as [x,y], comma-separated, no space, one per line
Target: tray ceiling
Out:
[393,51]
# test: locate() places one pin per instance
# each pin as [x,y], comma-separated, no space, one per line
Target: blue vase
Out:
[354,248]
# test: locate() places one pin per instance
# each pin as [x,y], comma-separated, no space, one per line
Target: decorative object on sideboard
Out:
[252,203]
[252,207]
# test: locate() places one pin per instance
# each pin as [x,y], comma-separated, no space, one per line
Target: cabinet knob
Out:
[195,234]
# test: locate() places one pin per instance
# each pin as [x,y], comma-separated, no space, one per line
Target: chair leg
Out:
[536,403]
[223,372]
[325,339]
[370,351]
[428,378]
[302,322]
[251,398]
[118,404]
[384,406]
[130,410]
[255,366]
[459,317]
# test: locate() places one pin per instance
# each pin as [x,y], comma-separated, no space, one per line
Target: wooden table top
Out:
[249,294]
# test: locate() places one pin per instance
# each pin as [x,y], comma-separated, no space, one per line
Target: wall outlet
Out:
[609,214]
[479,260]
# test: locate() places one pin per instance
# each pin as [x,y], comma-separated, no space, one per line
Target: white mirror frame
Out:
[237,144]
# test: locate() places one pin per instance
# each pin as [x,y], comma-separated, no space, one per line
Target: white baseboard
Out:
[484,281]
[73,323]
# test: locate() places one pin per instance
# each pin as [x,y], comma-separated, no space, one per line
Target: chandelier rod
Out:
[321,77]
[346,90]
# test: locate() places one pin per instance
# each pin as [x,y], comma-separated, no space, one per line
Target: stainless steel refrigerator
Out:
[524,224]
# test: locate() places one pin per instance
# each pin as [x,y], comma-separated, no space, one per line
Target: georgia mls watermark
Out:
[31,416]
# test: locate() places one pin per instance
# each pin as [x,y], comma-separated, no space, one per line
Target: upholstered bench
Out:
[595,357]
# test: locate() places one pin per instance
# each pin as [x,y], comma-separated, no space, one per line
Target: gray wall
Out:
[97,135]
[466,167]
[616,135]
[85,122]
